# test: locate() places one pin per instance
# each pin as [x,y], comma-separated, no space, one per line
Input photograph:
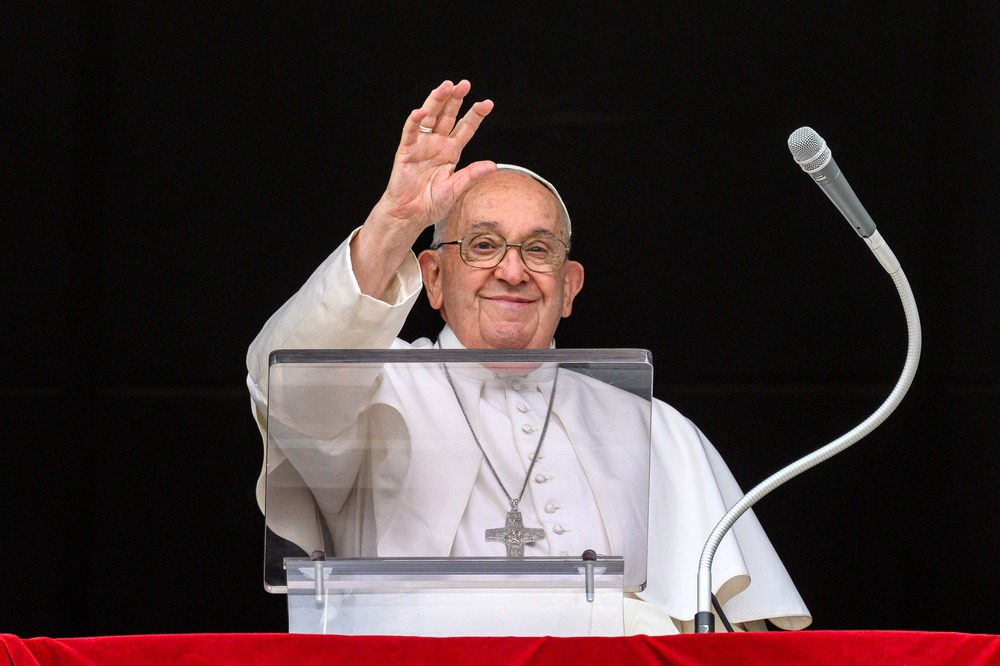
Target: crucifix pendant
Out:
[514,534]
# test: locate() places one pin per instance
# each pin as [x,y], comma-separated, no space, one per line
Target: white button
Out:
[523,408]
[558,529]
[563,553]
[517,385]
[541,478]
[535,456]
[551,508]
[528,428]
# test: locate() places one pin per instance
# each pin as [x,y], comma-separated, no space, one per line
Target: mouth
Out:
[509,299]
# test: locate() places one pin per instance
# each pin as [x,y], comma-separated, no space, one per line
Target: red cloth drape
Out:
[812,647]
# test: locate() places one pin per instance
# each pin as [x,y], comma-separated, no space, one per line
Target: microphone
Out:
[812,154]
[814,157]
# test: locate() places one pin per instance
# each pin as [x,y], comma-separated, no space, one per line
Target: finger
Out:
[464,178]
[435,103]
[469,124]
[422,120]
[449,112]
[411,128]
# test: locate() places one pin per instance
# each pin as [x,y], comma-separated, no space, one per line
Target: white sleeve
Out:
[329,312]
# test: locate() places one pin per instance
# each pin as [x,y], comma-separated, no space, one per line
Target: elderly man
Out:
[500,275]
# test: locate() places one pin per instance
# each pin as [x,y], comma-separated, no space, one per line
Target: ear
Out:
[430,270]
[572,284]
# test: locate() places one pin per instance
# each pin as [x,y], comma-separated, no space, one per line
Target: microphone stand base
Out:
[704,622]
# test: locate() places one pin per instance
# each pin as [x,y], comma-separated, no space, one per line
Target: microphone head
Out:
[809,149]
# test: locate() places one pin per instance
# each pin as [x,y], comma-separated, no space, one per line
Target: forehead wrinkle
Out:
[494,226]
[484,224]
[507,182]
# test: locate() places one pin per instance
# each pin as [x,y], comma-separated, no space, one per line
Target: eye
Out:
[483,245]
[537,248]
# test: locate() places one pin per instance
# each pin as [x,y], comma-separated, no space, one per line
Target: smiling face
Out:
[508,306]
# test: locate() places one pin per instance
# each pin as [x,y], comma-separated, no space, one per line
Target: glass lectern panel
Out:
[381,455]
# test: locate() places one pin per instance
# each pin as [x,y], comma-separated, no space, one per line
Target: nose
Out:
[511,268]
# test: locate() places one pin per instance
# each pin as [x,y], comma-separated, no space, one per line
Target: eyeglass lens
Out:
[539,253]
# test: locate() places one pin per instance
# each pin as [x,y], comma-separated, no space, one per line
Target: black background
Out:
[172,173]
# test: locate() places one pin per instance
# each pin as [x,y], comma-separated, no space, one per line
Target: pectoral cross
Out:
[514,534]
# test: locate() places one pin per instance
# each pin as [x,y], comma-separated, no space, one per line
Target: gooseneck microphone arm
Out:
[811,153]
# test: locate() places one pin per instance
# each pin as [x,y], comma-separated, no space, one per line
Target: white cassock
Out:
[578,492]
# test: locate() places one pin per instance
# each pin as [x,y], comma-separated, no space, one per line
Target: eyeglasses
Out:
[541,254]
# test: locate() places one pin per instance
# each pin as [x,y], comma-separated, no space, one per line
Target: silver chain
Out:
[534,457]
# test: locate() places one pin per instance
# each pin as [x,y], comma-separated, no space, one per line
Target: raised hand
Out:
[424,184]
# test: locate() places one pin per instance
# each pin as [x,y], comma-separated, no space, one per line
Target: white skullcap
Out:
[551,188]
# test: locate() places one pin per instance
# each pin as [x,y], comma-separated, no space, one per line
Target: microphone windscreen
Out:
[809,149]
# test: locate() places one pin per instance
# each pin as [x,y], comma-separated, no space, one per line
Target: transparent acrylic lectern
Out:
[391,475]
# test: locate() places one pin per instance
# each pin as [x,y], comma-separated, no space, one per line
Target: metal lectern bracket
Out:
[589,557]
[318,557]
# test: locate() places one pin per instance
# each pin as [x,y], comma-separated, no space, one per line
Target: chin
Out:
[518,341]
[508,337]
